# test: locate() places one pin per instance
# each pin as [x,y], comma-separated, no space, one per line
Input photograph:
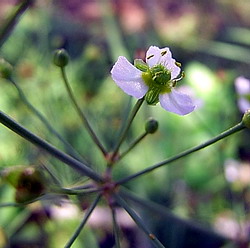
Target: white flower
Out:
[155,80]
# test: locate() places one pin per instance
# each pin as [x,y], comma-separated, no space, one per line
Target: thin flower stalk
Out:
[52,175]
[115,228]
[240,126]
[13,19]
[49,196]
[138,221]
[125,130]
[81,114]
[67,145]
[85,186]
[10,204]
[39,142]
[84,221]
[66,191]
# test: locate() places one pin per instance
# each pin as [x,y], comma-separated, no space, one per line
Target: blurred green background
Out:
[212,41]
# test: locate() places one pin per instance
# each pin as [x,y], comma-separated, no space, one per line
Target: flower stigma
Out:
[158,79]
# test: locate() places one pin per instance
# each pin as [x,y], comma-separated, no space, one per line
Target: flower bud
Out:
[61,58]
[30,185]
[92,53]
[28,182]
[151,126]
[5,69]
[246,119]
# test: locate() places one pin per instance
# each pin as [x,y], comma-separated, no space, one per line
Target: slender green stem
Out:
[84,221]
[54,178]
[126,128]
[223,135]
[23,204]
[67,145]
[66,191]
[115,228]
[136,142]
[8,26]
[138,221]
[10,204]
[81,114]
[39,142]
[85,186]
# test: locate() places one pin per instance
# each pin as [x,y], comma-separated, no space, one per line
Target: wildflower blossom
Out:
[242,86]
[155,80]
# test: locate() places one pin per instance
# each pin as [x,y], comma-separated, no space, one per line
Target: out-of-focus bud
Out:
[92,53]
[151,125]
[3,238]
[5,69]
[28,182]
[11,174]
[61,58]
[246,119]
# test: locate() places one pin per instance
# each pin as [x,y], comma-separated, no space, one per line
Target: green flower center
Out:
[158,79]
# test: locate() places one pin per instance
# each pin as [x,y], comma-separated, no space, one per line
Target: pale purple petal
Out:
[243,104]
[187,90]
[128,78]
[242,85]
[176,102]
[171,66]
[155,56]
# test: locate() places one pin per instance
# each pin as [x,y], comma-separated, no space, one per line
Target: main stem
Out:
[223,135]
[39,142]
[126,128]
[80,113]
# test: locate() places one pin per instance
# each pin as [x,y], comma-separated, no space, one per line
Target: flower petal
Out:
[128,78]
[176,102]
[155,55]
[242,85]
[243,104]
[171,66]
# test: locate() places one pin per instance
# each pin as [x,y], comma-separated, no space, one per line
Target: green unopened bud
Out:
[151,126]
[5,69]
[246,119]
[61,57]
